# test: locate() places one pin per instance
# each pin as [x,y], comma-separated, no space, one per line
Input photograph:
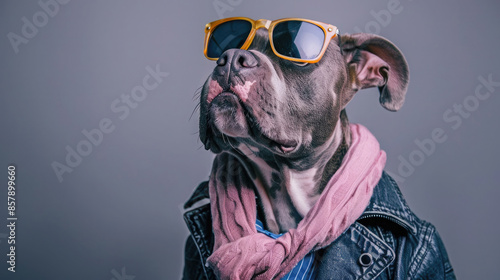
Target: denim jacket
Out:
[387,242]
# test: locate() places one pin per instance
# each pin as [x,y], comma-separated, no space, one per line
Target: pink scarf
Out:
[242,253]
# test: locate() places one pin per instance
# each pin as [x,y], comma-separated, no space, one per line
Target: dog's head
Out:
[282,109]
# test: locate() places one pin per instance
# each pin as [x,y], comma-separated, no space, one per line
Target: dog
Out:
[282,112]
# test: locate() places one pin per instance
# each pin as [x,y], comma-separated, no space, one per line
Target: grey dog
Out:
[289,119]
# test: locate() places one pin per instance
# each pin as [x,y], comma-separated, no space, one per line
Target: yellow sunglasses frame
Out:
[329,30]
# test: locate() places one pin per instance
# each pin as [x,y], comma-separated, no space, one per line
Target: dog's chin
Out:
[228,115]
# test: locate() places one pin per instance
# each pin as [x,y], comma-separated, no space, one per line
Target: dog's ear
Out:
[374,61]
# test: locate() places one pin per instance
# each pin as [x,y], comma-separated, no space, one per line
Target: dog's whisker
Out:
[196,108]
[197,93]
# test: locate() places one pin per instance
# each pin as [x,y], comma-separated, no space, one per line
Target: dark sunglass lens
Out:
[228,35]
[298,39]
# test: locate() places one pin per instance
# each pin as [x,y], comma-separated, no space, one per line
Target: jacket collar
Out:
[198,198]
[388,203]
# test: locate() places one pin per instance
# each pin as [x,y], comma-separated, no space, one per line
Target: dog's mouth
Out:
[273,143]
[233,117]
[281,145]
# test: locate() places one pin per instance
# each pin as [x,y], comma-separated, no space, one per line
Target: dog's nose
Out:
[237,59]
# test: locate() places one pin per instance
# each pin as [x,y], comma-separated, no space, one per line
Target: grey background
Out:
[121,206]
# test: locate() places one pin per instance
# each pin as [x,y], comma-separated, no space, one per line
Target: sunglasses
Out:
[295,39]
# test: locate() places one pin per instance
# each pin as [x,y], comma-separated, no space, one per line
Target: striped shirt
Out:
[304,270]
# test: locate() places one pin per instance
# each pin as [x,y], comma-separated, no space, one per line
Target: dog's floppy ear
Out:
[374,61]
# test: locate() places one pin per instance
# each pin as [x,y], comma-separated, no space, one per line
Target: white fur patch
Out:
[301,190]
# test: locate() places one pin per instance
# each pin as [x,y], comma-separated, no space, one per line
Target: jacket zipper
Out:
[390,218]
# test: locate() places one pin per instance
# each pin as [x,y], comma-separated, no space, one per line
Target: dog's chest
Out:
[285,195]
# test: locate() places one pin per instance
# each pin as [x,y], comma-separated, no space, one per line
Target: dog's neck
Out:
[285,195]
